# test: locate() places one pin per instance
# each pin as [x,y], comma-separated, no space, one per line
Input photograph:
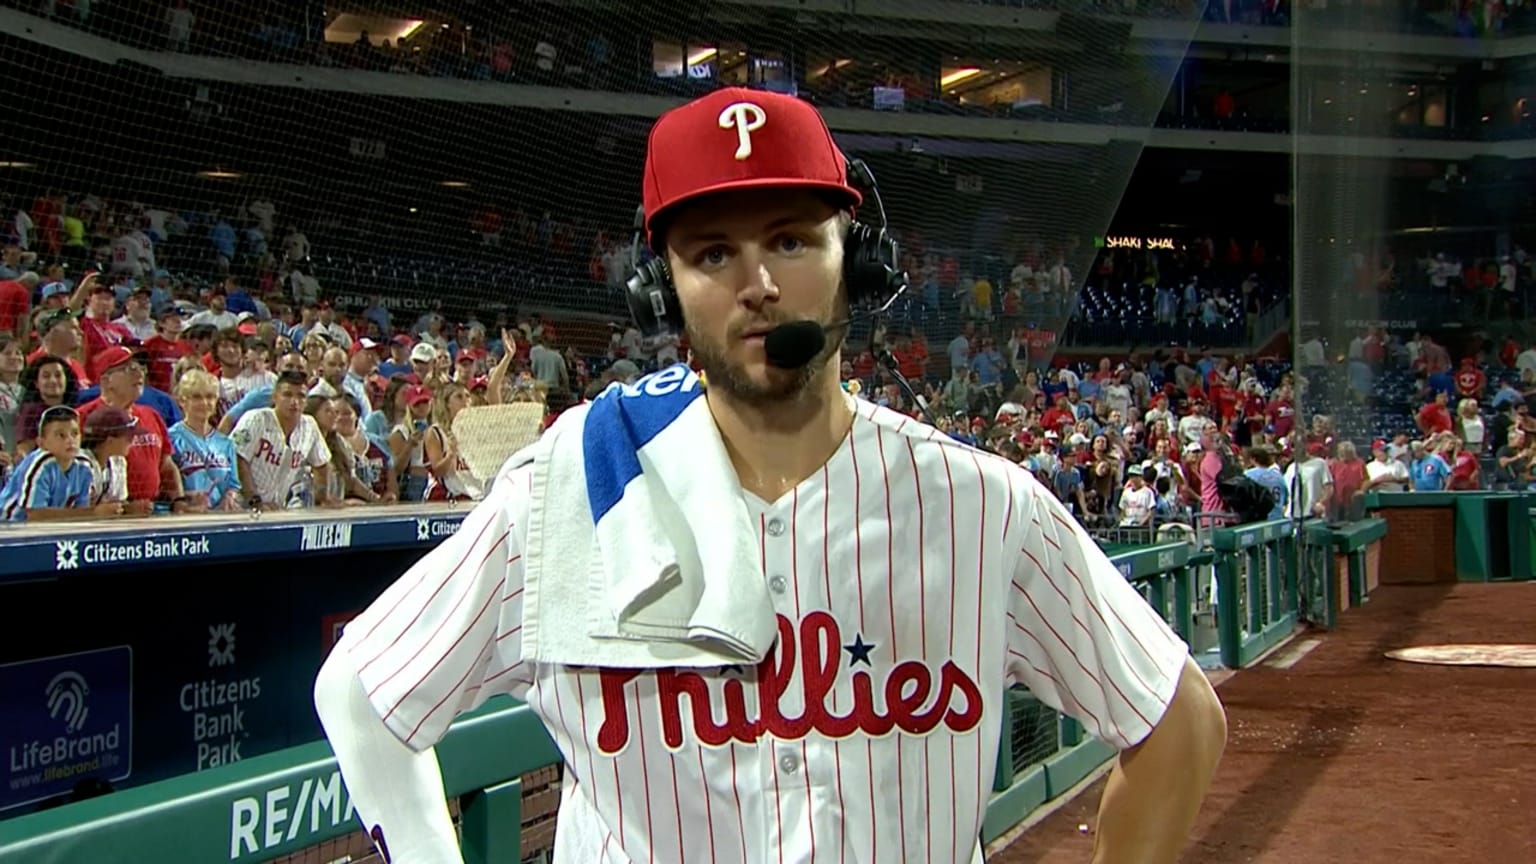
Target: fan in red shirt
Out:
[162,350]
[97,326]
[150,468]
[1509,353]
[1470,380]
[1254,409]
[16,303]
[1058,415]
[1465,472]
[1280,413]
[911,359]
[864,364]
[1374,348]
[1435,418]
[1225,400]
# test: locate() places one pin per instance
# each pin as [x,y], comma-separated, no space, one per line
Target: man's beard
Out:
[781,386]
[733,378]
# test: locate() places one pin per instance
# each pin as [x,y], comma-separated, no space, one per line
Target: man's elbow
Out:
[1195,721]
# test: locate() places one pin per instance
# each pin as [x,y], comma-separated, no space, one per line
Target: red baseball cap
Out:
[416,394]
[110,358]
[735,138]
[1378,444]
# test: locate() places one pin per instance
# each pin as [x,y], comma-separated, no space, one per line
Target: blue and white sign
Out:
[172,541]
[65,719]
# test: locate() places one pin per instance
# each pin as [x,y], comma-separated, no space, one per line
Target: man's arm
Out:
[403,788]
[1155,788]
[425,651]
[1085,642]
[261,397]
[243,471]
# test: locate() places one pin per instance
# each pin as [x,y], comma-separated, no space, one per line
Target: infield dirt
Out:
[1351,756]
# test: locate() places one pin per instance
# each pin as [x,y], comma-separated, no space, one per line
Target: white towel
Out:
[641,553]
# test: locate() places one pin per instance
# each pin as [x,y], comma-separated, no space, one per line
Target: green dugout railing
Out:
[1257,600]
[1271,576]
[273,805]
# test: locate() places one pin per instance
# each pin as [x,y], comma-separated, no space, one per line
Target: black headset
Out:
[871,267]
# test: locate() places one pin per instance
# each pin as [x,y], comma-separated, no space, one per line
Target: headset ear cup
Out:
[651,298]
[869,265]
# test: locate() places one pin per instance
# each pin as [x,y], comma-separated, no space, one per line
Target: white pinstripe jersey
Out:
[275,459]
[915,580]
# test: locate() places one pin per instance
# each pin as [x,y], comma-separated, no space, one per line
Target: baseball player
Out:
[915,579]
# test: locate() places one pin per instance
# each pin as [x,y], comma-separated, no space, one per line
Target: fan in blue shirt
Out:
[1430,473]
[54,480]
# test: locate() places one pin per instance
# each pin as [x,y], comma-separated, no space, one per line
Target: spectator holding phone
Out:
[407,440]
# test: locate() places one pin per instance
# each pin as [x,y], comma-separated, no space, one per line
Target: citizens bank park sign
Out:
[174,541]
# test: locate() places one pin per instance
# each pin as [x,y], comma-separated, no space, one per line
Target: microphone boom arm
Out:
[889,363]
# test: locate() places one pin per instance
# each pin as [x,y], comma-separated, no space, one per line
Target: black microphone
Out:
[792,345]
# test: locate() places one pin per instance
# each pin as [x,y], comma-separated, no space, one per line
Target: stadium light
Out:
[455,184]
[959,75]
[220,174]
[18,165]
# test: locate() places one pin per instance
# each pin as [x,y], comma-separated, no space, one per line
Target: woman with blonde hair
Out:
[449,475]
[1469,426]
[406,443]
[205,456]
[313,347]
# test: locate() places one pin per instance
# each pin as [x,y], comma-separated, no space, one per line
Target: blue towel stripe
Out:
[624,419]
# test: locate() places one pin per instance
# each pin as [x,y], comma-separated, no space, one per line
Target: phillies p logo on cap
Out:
[745,118]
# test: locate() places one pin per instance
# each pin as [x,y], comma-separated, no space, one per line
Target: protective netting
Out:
[485,161]
[1411,273]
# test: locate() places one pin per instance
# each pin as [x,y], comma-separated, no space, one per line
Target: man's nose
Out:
[757,283]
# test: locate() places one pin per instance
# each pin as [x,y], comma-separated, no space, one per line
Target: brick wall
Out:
[1373,565]
[1420,546]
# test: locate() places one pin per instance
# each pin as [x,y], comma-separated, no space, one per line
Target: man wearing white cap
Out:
[1137,500]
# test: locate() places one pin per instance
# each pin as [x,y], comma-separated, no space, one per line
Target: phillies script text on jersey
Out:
[914,702]
[269,454]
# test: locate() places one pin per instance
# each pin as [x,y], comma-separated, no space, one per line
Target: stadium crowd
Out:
[237,384]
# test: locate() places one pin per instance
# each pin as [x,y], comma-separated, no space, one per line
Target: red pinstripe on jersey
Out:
[421,573]
[826,576]
[981,586]
[890,599]
[882,542]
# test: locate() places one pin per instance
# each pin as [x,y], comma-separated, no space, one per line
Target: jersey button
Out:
[775,527]
[789,764]
[777,584]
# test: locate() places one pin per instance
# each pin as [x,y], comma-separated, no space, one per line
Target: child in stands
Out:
[53,481]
